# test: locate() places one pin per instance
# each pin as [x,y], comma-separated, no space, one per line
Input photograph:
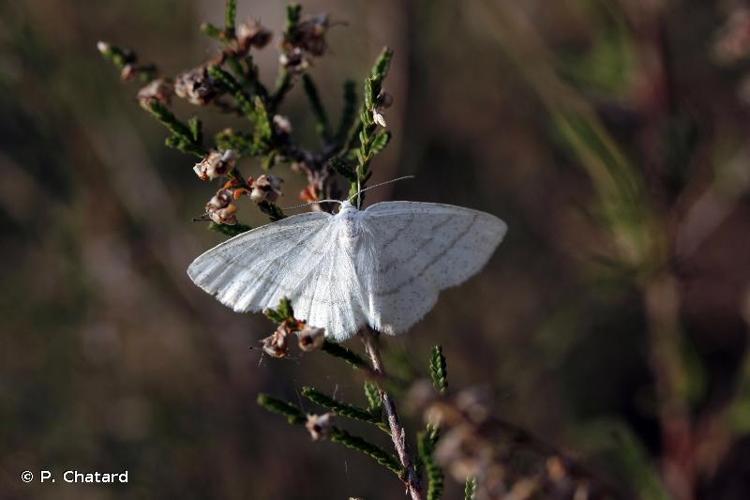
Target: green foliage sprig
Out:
[371,139]
[295,416]
[470,489]
[426,447]
[374,403]
[184,137]
[230,230]
[438,370]
[344,409]
[378,454]
[341,352]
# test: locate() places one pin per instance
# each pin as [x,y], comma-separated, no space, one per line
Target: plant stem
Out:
[661,301]
[398,434]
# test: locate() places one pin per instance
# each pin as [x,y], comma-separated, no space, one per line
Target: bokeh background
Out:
[612,321]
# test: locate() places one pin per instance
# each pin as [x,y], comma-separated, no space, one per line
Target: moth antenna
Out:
[360,191]
[312,203]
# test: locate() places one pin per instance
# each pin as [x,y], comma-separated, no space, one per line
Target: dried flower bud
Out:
[195,86]
[128,72]
[266,188]
[475,403]
[312,32]
[221,208]
[378,118]
[276,345]
[103,47]
[309,194]
[158,90]
[556,470]
[282,125]
[215,164]
[421,396]
[311,338]
[221,199]
[384,100]
[252,34]
[319,426]
[294,60]
[733,43]
[461,451]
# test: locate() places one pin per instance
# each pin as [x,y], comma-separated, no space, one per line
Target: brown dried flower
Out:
[195,86]
[282,125]
[221,208]
[277,344]
[159,90]
[103,47]
[462,452]
[311,338]
[733,43]
[215,164]
[307,39]
[311,34]
[383,101]
[252,34]
[319,426]
[309,194]
[128,72]
[294,60]
[378,118]
[266,188]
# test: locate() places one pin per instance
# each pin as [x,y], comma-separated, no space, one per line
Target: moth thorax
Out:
[350,226]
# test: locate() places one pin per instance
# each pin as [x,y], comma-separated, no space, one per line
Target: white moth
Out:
[383,266]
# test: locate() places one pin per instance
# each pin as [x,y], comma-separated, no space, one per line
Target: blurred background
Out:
[611,136]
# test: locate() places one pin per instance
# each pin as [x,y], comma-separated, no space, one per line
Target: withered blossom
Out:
[282,125]
[733,43]
[252,34]
[159,90]
[195,86]
[277,344]
[215,164]
[103,47]
[378,118]
[128,72]
[306,40]
[311,338]
[294,60]
[319,426]
[266,188]
[463,453]
[311,34]
[309,194]
[383,101]
[221,208]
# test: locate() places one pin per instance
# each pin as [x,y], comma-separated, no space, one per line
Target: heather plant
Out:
[492,457]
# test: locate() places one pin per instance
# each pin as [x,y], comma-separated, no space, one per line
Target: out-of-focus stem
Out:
[398,434]
[661,303]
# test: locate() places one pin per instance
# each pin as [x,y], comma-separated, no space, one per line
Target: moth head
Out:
[347,207]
